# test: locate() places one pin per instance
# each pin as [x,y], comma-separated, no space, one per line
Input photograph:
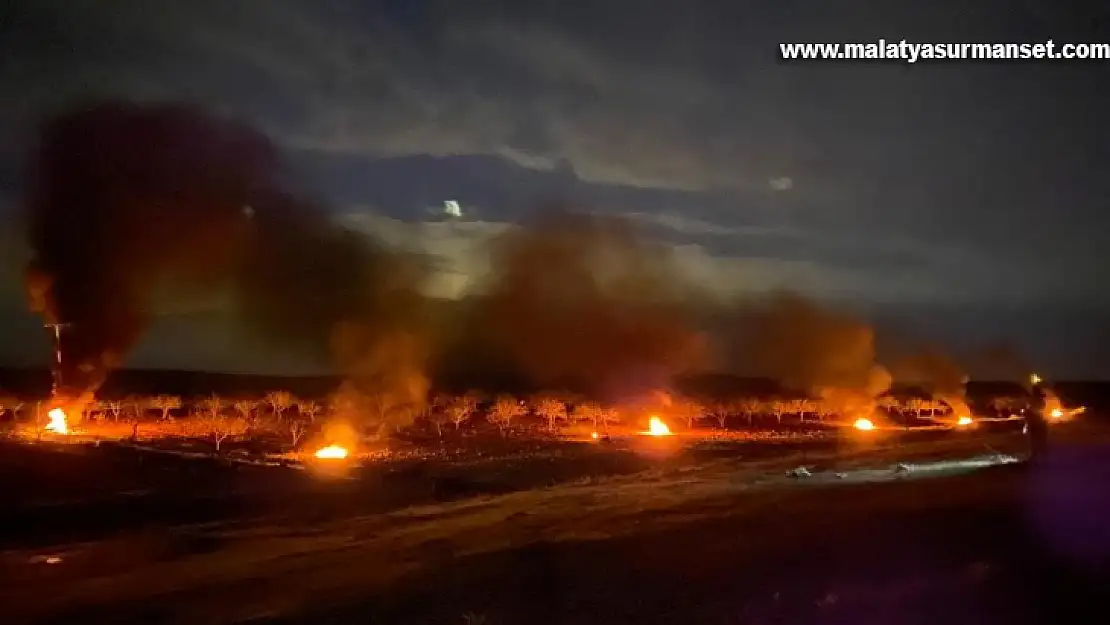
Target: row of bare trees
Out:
[281,412]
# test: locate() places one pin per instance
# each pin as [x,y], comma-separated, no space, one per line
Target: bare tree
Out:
[607,416]
[1003,406]
[504,410]
[777,408]
[10,403]
[297,428]
[437,416]
[216,425]
[889,403]
[460,408]
[308,409]
[800,407]
[246,409]
[689,410]
[822,409]
[164,404]
[750,406]
[114,408]
[212,405]
[588,411]
[720,411]
[279,401]
[552,411]
[915,405]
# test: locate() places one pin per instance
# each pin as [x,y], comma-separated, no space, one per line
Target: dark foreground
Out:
[719,543]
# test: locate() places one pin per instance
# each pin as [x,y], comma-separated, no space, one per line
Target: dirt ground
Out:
[723,541]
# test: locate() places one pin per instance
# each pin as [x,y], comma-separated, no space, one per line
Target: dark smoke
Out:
[125,198]
[938,373]
[802,344]
[578,303]
[809,348]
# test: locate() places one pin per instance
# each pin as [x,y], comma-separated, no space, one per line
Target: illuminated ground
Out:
[716,542]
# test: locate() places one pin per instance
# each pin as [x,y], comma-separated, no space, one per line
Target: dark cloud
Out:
[958,183]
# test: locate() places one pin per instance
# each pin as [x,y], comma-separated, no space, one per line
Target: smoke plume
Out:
[125,198]
[577,303]
[810,348]
[939,374]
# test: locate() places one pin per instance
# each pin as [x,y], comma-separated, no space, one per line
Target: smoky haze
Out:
[813,349]
[937,372]
[124,198]
[576,302]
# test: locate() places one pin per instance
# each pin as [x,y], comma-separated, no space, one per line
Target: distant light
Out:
[1034,379]
[452,208]
[782,183]
[248,210]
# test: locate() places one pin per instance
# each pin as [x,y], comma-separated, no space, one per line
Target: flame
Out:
[57,423]
[593,435]
[963,421]
[1056,413]
[656,427]
[864,424]
[332,452]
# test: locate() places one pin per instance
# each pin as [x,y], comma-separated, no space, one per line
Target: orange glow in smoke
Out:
[332,452]
[57,422]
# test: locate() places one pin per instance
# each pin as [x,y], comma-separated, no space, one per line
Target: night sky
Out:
[969,200]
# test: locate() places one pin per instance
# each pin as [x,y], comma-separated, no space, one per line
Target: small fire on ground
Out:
[964,421]
[864,424]
[57,423]
[656,427]
[332,452]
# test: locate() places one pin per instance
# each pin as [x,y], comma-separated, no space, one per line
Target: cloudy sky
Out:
[969,198]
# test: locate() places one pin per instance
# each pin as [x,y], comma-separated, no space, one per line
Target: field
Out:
[527,525]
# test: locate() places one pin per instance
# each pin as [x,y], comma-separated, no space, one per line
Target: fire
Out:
[57,422]
[864,424]
[1034,379]
[656,427]
[332,452]
[1056,413]
[964,421]
[594,436]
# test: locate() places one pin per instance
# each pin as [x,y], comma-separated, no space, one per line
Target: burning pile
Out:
[58,422]
[656,427]
[332,452]
[864,424]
